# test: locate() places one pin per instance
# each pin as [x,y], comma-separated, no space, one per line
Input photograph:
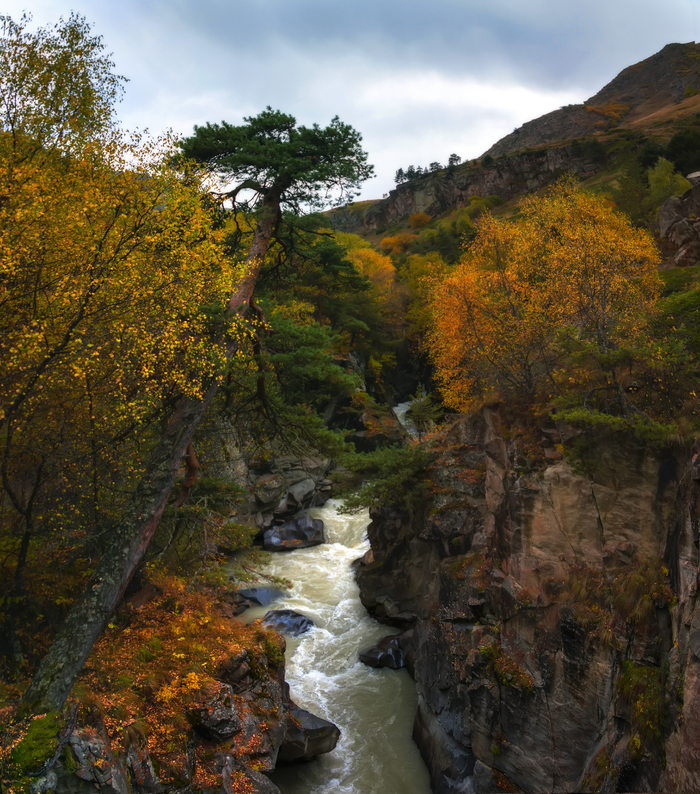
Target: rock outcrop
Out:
[291,485]
[241,729]
[679,224]
[446,190]
[552,603]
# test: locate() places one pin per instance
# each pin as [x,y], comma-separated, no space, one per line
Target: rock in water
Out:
[287,621]
[261,595]
[386,653]
[307,736]
[299,533]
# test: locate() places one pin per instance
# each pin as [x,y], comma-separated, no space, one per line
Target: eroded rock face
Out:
[526,674]
[294,483]
[445,190]
[679,224]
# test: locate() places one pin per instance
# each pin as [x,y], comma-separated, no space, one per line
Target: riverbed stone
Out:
[287,621]
[299,533]
[261,595]
[307,736]
[386,653]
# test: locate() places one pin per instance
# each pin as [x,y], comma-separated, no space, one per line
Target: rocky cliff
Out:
[552,603]
[243,726]
[442,191]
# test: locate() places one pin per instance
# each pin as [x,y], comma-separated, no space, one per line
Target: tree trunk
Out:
[87,618]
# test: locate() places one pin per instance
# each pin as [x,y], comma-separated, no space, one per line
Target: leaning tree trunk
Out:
[87,618]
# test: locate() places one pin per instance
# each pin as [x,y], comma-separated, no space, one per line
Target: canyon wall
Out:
[552,603]
[449,189]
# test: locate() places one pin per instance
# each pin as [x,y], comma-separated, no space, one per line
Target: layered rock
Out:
[446,190]
[679,224]
[548,652]
[292,485]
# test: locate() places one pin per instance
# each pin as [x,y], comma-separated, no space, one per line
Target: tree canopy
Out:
[308,167]
[571,263]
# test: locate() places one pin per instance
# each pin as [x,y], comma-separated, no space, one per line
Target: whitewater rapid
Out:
[374,709]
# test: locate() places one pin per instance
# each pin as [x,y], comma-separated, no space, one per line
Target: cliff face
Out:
[443,191]
[550,649]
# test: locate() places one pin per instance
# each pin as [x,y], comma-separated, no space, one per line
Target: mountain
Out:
[636,94]
[651,98]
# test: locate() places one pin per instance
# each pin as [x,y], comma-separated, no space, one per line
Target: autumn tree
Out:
[568,263]
[280,164]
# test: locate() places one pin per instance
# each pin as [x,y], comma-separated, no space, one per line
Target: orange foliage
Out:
[569,262]
[153,664]
[418,219]
[397,243]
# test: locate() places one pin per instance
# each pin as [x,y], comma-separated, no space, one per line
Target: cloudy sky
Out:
[420,80]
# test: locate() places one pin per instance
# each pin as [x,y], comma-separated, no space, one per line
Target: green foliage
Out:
[271,151]
[506,670]
[423,412]
[274,650]
[642,589]
[58,87]
[389,475]
[637,426]
[683,150]
[589,149]
[664,182]
[37,745]
[643,689]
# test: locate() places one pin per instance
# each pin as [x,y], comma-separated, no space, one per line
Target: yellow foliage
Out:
[569,261]
[397,243]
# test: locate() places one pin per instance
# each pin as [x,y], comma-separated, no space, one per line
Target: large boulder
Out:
[287,621]
[678,223]
[389,652]
[299,533]
[307,736]
[261,595]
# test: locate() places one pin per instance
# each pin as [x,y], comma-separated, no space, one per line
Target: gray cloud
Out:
[420,80]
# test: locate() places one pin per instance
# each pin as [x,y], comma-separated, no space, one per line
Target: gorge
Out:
[205,449]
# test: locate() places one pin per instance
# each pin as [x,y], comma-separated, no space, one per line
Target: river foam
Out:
[373,708]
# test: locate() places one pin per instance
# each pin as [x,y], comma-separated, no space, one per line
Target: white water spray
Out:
[373,708]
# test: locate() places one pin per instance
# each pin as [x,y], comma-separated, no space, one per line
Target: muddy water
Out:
[373,708]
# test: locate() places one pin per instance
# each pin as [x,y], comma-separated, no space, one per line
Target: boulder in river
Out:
[390,652]
[307,736]
[287,621]
[260,595]
[299,533]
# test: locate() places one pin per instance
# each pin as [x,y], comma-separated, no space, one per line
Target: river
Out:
[374,709]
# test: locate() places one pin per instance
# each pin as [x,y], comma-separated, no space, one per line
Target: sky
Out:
[419,80]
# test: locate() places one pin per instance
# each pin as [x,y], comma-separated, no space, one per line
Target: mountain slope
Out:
[639,91]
